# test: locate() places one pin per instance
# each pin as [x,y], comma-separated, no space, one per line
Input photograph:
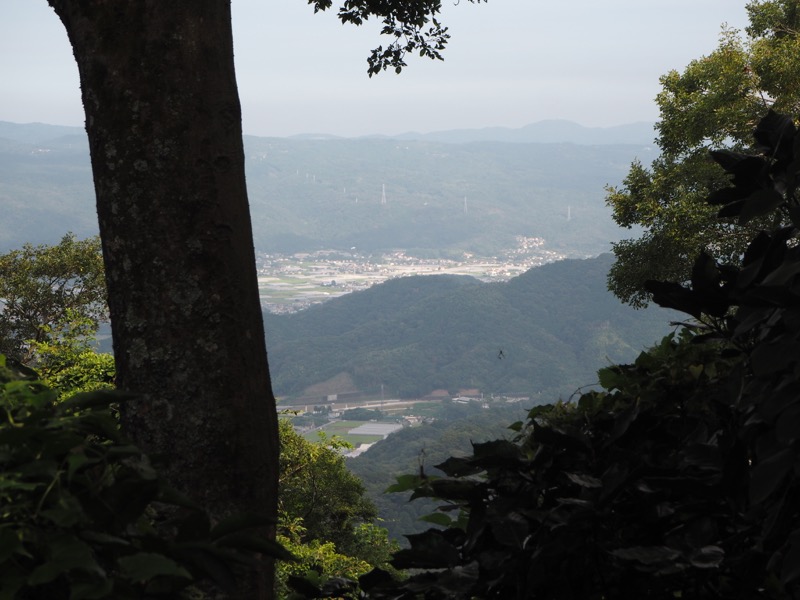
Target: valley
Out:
[291,282]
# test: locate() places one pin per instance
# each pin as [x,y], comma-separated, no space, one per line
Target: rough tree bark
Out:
[164,125]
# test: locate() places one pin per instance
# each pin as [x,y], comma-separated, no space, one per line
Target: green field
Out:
[340,429]
[426,409]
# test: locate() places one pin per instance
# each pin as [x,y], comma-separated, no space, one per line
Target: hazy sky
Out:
[509,63]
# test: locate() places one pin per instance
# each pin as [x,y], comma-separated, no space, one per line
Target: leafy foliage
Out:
[318,564]
[715,102]
[41,286]
[755,306]
[68,361]
[598,498]
[452,428]
[406,22]
[325,518]
[78,507]
[316,487]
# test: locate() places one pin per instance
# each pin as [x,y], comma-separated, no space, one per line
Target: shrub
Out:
[84,515]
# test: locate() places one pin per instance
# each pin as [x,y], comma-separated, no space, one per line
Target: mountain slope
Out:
[555,131]
[441,198]
[555,325]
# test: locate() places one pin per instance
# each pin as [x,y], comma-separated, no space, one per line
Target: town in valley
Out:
[292,282]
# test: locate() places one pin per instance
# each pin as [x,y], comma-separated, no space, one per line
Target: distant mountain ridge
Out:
[37,133]
[442,198]
[554,131]
[551,131]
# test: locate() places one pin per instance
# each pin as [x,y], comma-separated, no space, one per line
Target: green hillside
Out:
[556,325]
[452,433]
[308,194]
[328,193]
[45,190]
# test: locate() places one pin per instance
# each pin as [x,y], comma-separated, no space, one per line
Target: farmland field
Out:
[340,429]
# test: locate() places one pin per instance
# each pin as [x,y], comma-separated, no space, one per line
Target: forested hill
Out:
[555,325]
[311,194]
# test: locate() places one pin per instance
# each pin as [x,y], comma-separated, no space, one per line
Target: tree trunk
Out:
[164,124]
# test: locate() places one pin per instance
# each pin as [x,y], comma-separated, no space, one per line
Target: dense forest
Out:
[556,325]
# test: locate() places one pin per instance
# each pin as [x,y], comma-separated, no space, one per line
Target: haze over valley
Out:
[333,215]
[429,199]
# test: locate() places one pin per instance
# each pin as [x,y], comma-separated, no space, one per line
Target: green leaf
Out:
[790,569]
[123,450]
[66,513]
[696,371]
[10,543]
[303,586]
[458,467]
[584,480]
[452,489]
[437,518]
[495,452]
[538,411]
[216,563]
[759,203]
[74,462]
[95,399]
[647,555]
[768,358]
[405,483]
[768,474]
[559,438]
[707,557]
[11,584]
[429,550]
[170,495]
[783,274]
[102,538]
[193,526]
[91,590]
[240,521]
[13,484]
[144,566]
[246,542]
[773,132]
[102,425]
[622,422]
[794,213]
[67,553]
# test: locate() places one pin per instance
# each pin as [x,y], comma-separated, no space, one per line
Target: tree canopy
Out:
[325,518]
[316,487]
[715,102]
[68,361]
[412,27]
[43,287]
[79,502]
